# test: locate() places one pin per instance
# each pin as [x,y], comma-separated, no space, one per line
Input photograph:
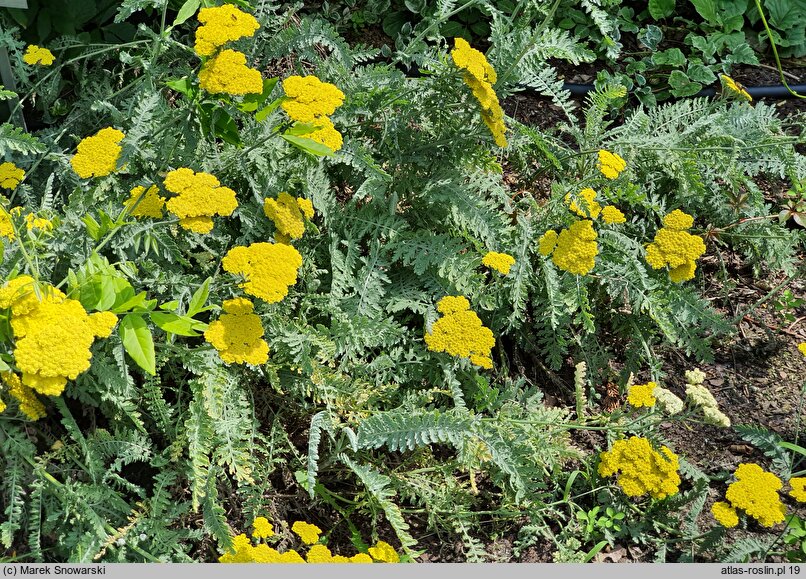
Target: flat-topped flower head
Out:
[309,99]
[269,268]
[725,514]
[642,395]
[145,203]
[472,61]
[263,529]
[585,204]
[501,262]
[326,134]
[610,164]
[676,248]
[222,24]
[199,197]
[756,493]
[98,154]
[798,491]
[576,249]
[307,532]
[37,55]
[547,242]
[611,214]
[227,73]
[287,214]
[460,332]
[10,175]
[26,399]
[238,334]
[384,552]
[640,468]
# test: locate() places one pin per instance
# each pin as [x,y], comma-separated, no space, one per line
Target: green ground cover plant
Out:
[243,260]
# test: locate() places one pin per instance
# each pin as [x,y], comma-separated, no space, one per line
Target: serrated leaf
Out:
[138,342]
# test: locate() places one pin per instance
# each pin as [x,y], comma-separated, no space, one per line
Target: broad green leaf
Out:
[252,101]
[199,298]
[261,115]
[669,57]
[661,8]
[708,10]
[682,86]
[93,227]
[174,324]
[183,85]
[187,10]
[309,146]
[701,73]
[3,366]
[131,303]
[171,305]
[138,342]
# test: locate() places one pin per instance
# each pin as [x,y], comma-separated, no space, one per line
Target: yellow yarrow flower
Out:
[802,348]
[142,203]
[460,332]
[384,552]
[588,206]
[10,175]
[6,225]
[611,214]
[33,222]
[52,336]
[309,100]
[547,242]
[676,248]
[238,334]
[734,88]
[200,196]
[307,532]
[263,529]
[220,25]
[642,395]
[27,401]
[319,554]
[798,491]
[37,55]
[480,77]
[227,73]
[269,268]
[501,262]
[287,214]
[326,134]
[610,164]
[98,154]
[576,249]
[360,558]
[725,514]
[756,493]
[640,468]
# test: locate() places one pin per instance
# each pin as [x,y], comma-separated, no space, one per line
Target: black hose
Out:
[774,91]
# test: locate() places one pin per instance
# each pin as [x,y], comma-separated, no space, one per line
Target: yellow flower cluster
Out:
[642,395]
[33,222]
[238,334]
[668,401]
[6,225]
[702,398]
[142,203]
[243,551]
[37,55]
[98,155]
[589,208]
[269,268]
[309,100]
[735,88]
[52,335]
[641,469]
[798,491]
[480,77]
[675,247]
[220,25]
[287,214]
[459,332]
[200,196]
[574,249]
[610,164]
[27,401]
[755,491]
[802,348]
[501,262]
[10,175]
[227,73]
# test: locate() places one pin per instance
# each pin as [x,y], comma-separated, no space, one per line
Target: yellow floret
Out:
[263,529]
[576,248]
[37,55]
[33,222]
[640,468]
[307,532]
[98,155]
[227,73]
[610,164]
[326,134]
[309,99]
[269,268]
[678,220]
[6,225]
[547,242]
[240,552]
[10,175]
[611,214]
[286,214]
[238,334]
[756,492]
[676,248]
[142,203]
[725,514]
[200,196]
[220,25]
[642,395]
[360,558]
[802,348]
[320,554]
[798,491]
[27,401]
[306,206]
[472,61]
[501,262]
[384,552]
[588,206]
[460,333]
